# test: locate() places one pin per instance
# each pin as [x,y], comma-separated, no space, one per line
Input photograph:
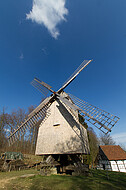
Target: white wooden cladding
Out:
[61,133]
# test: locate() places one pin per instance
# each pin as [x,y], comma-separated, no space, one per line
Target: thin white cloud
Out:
[49,13]
[21,56]
[44,50]
[120,138]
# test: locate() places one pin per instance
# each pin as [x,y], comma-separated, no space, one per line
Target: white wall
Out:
[118,166]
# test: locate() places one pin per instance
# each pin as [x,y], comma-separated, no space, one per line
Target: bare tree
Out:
[106,139]
[3,129]
[10,122]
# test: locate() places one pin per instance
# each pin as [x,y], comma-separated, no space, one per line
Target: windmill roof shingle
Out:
[113,152]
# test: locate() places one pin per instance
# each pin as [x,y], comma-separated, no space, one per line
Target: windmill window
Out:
[56,124]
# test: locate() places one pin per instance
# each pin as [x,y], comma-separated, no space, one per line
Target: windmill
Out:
[60,131]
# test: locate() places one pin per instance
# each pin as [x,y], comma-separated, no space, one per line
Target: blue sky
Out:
[49,41]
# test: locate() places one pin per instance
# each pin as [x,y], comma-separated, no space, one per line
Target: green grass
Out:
[98,180]
[8,175]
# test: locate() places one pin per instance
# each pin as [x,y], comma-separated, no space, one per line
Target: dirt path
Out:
[3,182]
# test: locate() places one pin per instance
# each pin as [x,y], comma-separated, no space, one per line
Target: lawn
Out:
[96,180]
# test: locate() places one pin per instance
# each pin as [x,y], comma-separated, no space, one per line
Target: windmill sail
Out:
[104,121]
[97,117]
[38,114]
[74,75]
[41,86]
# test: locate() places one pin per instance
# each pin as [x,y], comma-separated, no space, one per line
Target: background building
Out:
[112,158]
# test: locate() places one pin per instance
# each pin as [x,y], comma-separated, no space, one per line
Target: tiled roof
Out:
[114,152]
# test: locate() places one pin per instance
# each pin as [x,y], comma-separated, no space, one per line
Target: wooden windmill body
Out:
[60,131]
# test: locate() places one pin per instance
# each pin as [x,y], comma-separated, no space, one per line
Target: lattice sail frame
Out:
[41,86]
[74,75]
[37,115]
[101,119]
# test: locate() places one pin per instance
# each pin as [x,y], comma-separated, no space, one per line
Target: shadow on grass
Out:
[68,183]
[115,180]
[59,183]
[98,180]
